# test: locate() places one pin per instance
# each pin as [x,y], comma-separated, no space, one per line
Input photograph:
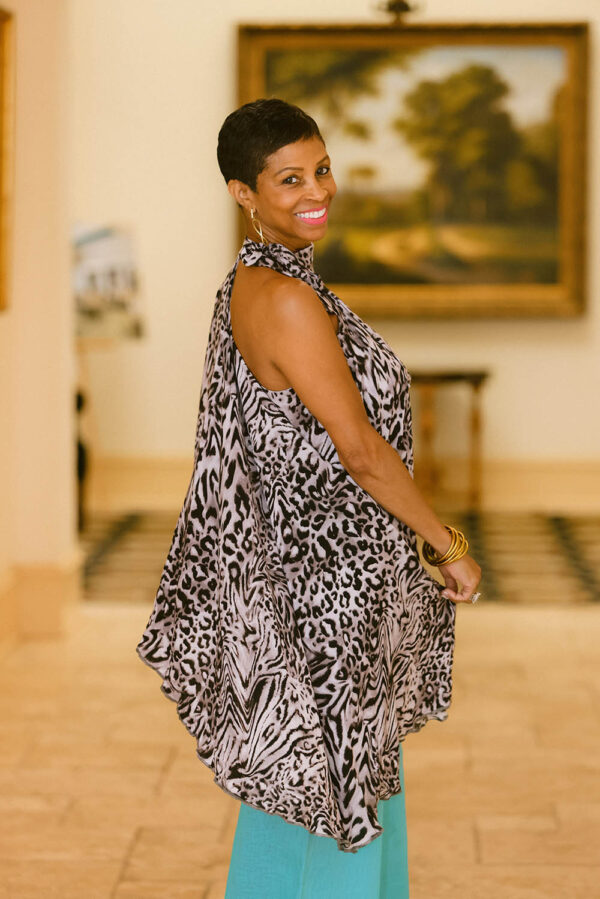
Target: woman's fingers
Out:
[463,595]
[466,572]
[451,582]
[466,593]
[455,596]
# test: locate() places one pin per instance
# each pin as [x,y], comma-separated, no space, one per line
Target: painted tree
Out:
[330,80]
[459,126]
[532,180]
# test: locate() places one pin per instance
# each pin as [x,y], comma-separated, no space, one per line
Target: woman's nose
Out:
[316,191]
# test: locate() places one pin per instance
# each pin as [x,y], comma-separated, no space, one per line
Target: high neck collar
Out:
[253,249]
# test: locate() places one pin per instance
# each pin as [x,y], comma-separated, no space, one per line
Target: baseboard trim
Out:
[35,600]
[567,486]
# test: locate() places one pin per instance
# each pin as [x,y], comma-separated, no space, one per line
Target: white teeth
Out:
[319,213]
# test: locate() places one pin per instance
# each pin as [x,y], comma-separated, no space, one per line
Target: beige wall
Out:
[152,82]
[118,104]
[36,346]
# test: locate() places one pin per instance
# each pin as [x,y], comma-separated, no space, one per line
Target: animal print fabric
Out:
[294,624]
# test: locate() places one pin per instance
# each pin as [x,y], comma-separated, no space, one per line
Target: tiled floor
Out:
[102,795]
[530,558]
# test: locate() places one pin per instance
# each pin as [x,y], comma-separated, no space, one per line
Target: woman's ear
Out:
[240,192]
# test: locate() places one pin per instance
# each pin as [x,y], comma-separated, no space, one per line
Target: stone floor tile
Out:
[230,823]
[13,750]
[217,886]
[180,854]
[198,808]
[494,740]
[431,880]
[573,812]
[522,777]
[502,798]
[151,720]
[187,769]
[28,809]
[64,843]
[152,889]
[78,780]
[554,732]
[572,843]
[420,759]
[435,735]
[436,839]
[449,800]
[514,823]
[86,878]
[68,751]
[82,731]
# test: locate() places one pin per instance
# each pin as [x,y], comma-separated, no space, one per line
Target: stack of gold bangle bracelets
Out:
[458,548]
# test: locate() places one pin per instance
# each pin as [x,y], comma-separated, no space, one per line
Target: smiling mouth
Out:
[313,216]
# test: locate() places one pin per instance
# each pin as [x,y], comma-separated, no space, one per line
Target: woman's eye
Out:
[294,179]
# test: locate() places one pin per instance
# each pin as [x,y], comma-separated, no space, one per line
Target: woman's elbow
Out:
[360,454]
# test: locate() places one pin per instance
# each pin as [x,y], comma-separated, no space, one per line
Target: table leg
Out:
[427,432]
[475,459]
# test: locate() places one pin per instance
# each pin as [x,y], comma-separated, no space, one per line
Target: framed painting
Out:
[459,152]
[7,86]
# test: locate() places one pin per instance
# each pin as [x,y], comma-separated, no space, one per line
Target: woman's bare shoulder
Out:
[266,289]
[267,276]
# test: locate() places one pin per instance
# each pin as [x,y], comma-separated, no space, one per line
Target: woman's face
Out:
[293,194]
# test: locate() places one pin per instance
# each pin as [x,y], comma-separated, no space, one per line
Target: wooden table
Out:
[428,383]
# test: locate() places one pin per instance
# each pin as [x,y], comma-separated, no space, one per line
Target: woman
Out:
[294,623]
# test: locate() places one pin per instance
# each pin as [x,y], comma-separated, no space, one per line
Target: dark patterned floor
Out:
[525,558]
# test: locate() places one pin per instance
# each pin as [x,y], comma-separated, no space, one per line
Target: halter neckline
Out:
[252,249]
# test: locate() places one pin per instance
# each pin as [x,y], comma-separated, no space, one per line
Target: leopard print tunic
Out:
[294,625]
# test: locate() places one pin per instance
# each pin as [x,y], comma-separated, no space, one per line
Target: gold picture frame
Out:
[460,156]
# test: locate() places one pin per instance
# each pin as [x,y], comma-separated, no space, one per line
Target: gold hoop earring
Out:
[257,226]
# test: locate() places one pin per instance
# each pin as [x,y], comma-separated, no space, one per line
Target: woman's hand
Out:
[465,571]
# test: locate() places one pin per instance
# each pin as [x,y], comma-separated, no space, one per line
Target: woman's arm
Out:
[301,343]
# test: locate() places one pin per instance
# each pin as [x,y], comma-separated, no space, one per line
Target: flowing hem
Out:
[439,713]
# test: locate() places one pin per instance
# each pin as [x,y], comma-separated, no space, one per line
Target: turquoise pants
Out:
[273,859]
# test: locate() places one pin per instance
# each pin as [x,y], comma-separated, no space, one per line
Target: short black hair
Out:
[251,133]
